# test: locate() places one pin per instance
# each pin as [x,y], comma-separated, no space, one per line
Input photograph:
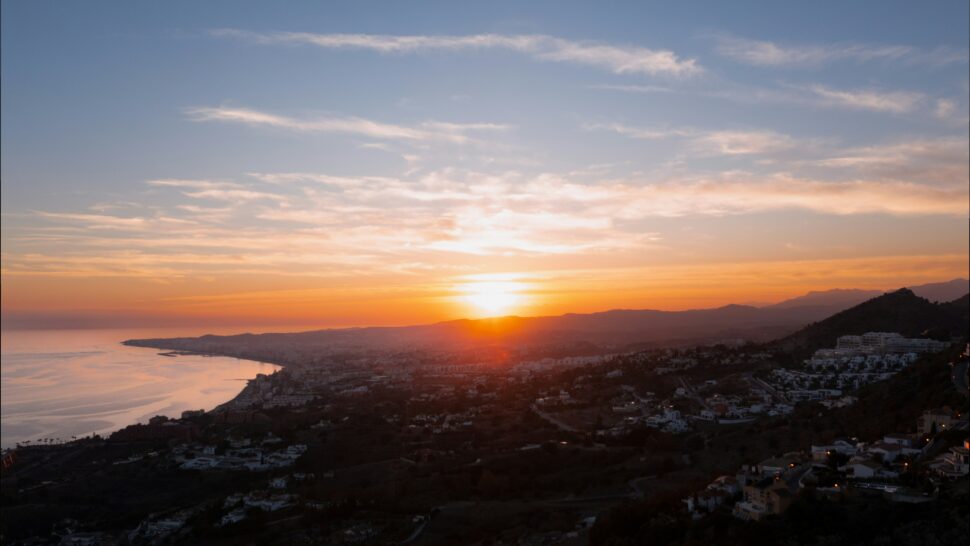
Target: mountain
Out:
[609,331]
[900,311]
[612,330]
[840,299]
[942,291]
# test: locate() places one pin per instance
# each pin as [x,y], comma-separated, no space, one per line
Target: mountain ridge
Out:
[900,311]
[618,329]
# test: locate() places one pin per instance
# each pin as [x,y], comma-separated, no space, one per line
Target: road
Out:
[420,528]
[693,393]
[774,392]
[552,420]
[634,485]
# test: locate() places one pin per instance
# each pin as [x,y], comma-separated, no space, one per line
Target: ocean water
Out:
[64,383]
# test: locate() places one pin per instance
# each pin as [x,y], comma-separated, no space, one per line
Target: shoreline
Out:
[105,433]
[172,353]
[224,406]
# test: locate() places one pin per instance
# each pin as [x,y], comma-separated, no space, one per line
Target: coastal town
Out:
[390,450]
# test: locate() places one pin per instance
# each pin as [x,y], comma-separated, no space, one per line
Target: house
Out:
[953,464]
[769,496]
[845,447]
[707,500]
[889,452]
[775,466]
[728,484]
[867,469]
[903,440]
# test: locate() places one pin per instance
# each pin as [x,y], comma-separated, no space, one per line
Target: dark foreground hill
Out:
[883,407]
[900,311]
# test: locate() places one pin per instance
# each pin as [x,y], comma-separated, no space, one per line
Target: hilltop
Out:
[900,311]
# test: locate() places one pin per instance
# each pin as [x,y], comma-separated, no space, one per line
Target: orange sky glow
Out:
[399,300]
[325,177]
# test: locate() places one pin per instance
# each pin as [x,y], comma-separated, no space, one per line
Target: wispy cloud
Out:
[944,108]
[868,99]
[640,132]
[426,131]
[941,161]
[743,142]
[318,225]
[619,59]
[193,184]
[765,53]
[707,142]
[631,88]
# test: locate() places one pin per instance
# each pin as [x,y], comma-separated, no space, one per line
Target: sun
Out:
[493,298]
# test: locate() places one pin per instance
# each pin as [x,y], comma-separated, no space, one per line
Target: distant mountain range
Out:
[841,298]
[610,330]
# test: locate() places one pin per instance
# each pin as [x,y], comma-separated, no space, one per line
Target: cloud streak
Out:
[625,59]
[771,54]
[708,142]
[425,132]
[897,102]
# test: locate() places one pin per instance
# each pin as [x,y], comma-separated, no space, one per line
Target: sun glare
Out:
[493,298]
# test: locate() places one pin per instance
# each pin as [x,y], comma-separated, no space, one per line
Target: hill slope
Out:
[900,311]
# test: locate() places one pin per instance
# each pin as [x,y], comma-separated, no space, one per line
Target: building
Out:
[844,447]
[889,452]
[900,439]
[728,484]
[767,497]
[775,466]
[955,463]
[881,342]
[867,469]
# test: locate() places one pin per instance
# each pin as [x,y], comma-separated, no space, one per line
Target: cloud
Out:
[944,108]
[194,184]
[315,225]
[631,88]
[942,161]
[707,142]
[743,142]
[639,132]
[867,99]
[765,53]
[779,192]
[614,58]
[96,221]
[427,131]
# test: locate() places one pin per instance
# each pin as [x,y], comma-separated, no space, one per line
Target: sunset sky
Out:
[346,163]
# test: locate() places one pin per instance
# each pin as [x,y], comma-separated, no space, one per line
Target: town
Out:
[375,451]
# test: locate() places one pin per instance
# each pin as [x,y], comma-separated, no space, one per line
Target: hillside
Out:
[900,311]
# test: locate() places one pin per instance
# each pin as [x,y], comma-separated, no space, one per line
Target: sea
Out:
[56,385]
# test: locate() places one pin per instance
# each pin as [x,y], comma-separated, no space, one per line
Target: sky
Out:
[360,163]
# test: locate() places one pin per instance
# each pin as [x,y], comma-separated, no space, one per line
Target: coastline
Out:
[101,384]
[159,344]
